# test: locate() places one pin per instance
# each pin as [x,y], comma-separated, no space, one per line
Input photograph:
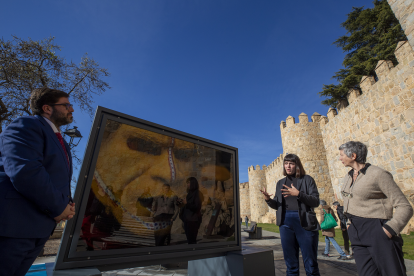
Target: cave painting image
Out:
[151,189]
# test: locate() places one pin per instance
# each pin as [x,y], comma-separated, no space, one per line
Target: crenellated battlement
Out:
[384,69]
[244,185]
[276,163]
[253,169]
[404,54]
[303,119]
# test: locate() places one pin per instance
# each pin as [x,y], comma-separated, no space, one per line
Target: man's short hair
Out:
[336,203]
[42,96]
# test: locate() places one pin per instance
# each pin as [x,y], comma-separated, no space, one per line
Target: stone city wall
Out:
[257,181]
[244,200]
[404,11]
[382,117]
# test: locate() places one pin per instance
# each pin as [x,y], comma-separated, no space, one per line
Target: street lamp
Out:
[73,133]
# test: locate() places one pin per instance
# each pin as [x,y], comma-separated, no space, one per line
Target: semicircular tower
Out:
[305,140]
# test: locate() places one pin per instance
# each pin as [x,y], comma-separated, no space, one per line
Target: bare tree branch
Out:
[27,64]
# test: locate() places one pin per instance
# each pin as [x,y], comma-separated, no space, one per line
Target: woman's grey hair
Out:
[356,147]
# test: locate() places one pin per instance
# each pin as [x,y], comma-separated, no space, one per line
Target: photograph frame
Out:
[69,258]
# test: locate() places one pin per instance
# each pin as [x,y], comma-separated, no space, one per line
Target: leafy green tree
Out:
[372,35]
[27,64]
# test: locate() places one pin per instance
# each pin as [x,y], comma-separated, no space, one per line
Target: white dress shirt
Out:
[52,125]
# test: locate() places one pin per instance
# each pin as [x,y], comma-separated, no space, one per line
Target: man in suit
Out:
[35,176]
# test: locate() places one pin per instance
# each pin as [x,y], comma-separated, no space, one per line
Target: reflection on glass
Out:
[151,189]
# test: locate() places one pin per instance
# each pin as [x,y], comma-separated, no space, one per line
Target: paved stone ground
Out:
[327,265]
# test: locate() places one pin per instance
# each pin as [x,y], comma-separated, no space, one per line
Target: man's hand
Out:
[67,214]
[266,194]
[290,191]
[387,233]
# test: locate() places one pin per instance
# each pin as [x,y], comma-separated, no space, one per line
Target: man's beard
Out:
[60,119]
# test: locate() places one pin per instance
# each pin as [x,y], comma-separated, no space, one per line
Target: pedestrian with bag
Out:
[296,196]
[342,220]
[377,211]
[328,223]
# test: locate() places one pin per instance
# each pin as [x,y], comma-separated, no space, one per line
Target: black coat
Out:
[307,200]
[342,217]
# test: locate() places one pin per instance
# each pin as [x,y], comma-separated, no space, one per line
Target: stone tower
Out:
[305,140]
[244,200]
[257,181]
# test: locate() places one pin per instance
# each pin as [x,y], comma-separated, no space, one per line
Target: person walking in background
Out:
[35,176]
[330,233]
[377,211]
[342,224]
[296,196]
[191,212]
[246,220]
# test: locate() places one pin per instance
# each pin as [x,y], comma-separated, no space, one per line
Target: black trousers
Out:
[346,241]
[163,236]
[191,231]
[375,253]
[17,255]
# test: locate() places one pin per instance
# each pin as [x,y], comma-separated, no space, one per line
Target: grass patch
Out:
[408,248]
[269,227]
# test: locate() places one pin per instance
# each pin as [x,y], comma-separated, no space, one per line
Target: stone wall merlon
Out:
[332,113]
[323,121]
[383,68]
[353,94]
[282,125]
[342,105]
[303,118]
[290,121]
[366,83]
[316,117]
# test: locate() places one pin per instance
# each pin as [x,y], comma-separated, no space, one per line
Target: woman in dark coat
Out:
[191,211]
[296,196]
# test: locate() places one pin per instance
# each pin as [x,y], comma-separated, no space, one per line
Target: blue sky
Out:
[229,71]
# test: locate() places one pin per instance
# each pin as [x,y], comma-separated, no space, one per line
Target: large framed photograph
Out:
[149,194]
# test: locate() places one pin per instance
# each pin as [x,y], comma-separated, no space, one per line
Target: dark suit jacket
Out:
[34,178]
[307,200]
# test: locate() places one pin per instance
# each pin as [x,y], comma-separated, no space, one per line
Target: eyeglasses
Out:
[345,194]
[65,104]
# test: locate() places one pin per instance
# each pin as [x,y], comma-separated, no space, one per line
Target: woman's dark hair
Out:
[300,171]
[44,96]
[193,183]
